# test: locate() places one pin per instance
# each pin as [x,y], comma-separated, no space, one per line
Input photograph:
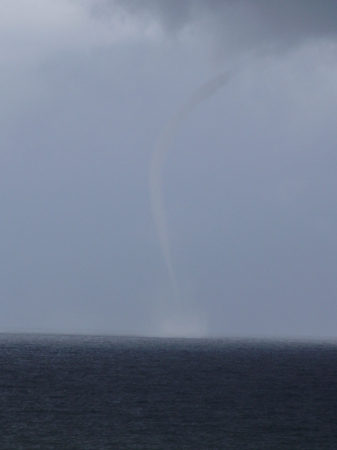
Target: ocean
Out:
[81,392]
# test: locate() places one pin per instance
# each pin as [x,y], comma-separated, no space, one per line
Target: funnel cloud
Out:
[160,154]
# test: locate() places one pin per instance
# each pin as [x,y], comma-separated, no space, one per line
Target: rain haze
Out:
[168,167]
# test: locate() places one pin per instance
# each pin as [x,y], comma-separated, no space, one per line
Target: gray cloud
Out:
[234,24]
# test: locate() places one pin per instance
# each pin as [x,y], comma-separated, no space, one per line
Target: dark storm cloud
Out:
[280,23]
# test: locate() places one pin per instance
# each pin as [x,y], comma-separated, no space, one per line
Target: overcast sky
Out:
[249,183]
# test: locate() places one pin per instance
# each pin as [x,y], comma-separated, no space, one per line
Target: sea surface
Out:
[73,392]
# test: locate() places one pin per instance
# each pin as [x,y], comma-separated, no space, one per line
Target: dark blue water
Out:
[128,393]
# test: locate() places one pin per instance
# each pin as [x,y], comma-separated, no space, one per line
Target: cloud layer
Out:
[265,24]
